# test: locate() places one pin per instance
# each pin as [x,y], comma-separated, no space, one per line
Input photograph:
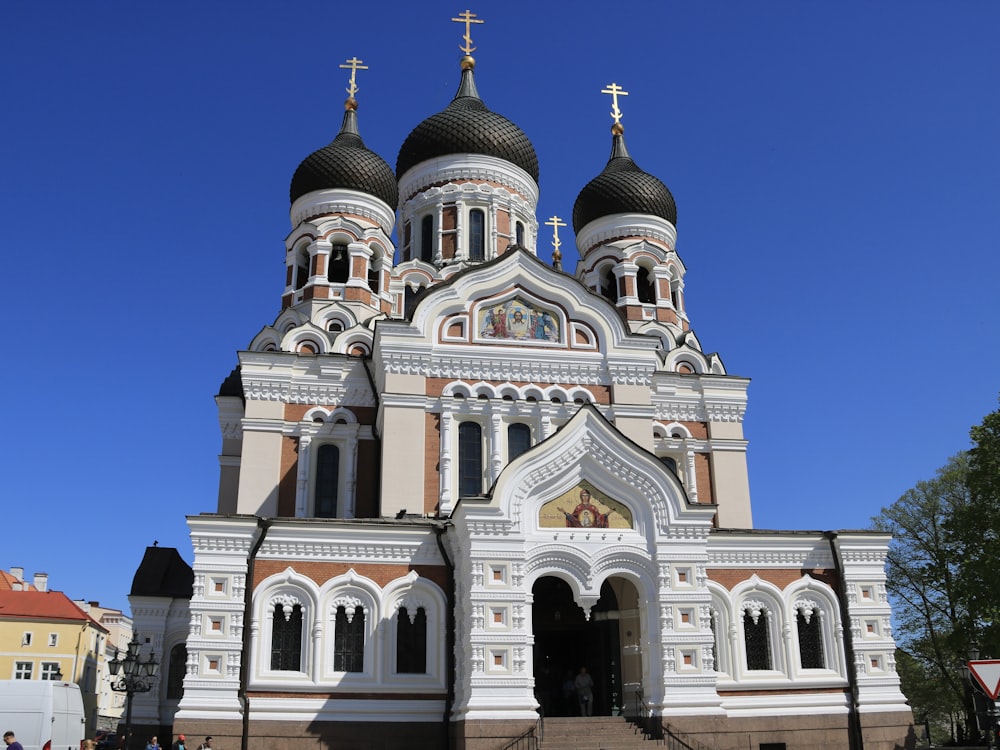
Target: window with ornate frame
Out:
[349,638]
[326,481]
[518,440]
[477,234]
[286,638]
[411,641]
[470,459]
[427,239]
[757,636]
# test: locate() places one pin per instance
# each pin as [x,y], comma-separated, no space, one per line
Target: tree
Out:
[931,618]
[975,528]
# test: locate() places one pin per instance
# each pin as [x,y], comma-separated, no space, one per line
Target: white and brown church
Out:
[452,473]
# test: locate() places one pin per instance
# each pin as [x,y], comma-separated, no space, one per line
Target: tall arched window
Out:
[644,290]
[519,233]
[518,440]
[810,639]
[301,267]
[327,482]
[427,239]
[609,284]
[286,638]
[374,272]
[176,667]
[757,638]
[340,264]
[411,642]
[349,640]
[470,459]
[477,234]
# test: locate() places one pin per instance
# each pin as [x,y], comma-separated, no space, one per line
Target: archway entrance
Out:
[565,641]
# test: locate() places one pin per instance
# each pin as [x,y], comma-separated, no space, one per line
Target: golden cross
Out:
[468,18]
[615,90]
[555,222]
[355,65]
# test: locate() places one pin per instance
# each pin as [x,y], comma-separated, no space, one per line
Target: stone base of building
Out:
[881,731]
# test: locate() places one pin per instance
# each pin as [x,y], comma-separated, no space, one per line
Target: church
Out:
[453,474]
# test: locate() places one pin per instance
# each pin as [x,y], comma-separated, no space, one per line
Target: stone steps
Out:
[593,733]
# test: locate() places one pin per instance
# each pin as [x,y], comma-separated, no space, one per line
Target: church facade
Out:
[453,474]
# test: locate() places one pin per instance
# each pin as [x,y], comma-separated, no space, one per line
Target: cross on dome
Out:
[468,18]
[615,90]
[355,65]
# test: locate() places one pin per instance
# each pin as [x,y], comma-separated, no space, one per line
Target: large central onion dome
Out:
[466,126]
[347,164]
[622,188]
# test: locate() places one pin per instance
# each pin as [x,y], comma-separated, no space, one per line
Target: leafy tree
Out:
[931,617]
[975,528]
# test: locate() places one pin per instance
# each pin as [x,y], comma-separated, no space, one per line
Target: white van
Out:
[42,714]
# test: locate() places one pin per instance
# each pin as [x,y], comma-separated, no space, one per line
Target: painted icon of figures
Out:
[519,321]
[586,514]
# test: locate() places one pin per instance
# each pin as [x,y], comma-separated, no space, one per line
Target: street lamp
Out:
[131,675]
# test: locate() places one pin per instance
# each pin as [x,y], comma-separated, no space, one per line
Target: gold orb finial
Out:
[468,62]
[351,105]
[617,129]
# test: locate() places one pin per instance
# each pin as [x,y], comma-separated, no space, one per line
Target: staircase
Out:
[593,733]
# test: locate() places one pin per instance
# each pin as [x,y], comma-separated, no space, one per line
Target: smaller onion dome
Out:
[466,126]
[622,188]
[346,163]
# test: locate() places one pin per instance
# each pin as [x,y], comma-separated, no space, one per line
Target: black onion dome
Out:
[466,126]
[622,188]
[346,163]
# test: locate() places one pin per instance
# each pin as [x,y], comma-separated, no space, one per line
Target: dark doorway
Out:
[565,641]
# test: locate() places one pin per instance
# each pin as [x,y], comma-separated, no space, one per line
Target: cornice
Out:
[460,168]
[340,201]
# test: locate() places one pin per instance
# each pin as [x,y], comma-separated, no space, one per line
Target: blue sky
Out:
[835,166]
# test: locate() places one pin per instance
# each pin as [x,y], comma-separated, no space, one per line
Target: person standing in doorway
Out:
[585,692]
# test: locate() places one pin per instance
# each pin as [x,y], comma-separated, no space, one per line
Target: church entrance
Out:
[565,641]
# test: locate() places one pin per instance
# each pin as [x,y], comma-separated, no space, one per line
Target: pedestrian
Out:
[584,684]
[179,745]
[153,744]
[207,744]
[11,740]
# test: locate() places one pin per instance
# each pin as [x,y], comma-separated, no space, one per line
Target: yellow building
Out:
[45,636]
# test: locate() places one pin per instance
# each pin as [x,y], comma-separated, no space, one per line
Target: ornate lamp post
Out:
[130,675]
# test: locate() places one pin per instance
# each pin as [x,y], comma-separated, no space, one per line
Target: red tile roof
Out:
[7,582]
[42,605]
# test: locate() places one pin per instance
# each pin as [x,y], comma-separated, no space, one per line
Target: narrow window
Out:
[327,481]
[470,459]
[411,642]
[374,272]
[53,639]
[670,463]
[477,234]
[518,440]
[49,670]
[410,300]
[427,239]
[645,290]
[286,638]
[301,268]
[609,285]
[810,640]
[340,264]
[26,639]
[22,670]
[349,641]
[758,644]
[519,233]
[176,667]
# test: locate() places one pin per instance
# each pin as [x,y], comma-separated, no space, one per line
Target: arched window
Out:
[645,290]
[301,267]
[477,234]
[519,233]
[518,440]
[286,638]
[470,459]
[349,640]
[810,639]
[427,239]
[671,463]
[411,642]
[757,638]
[327,481]
[340,264]
[609,285]
[176,667]
[374,272]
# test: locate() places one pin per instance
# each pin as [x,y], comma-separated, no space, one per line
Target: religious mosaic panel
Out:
[584,507]
[517,320]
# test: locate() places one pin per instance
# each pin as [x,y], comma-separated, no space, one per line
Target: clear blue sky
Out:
[835,166]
